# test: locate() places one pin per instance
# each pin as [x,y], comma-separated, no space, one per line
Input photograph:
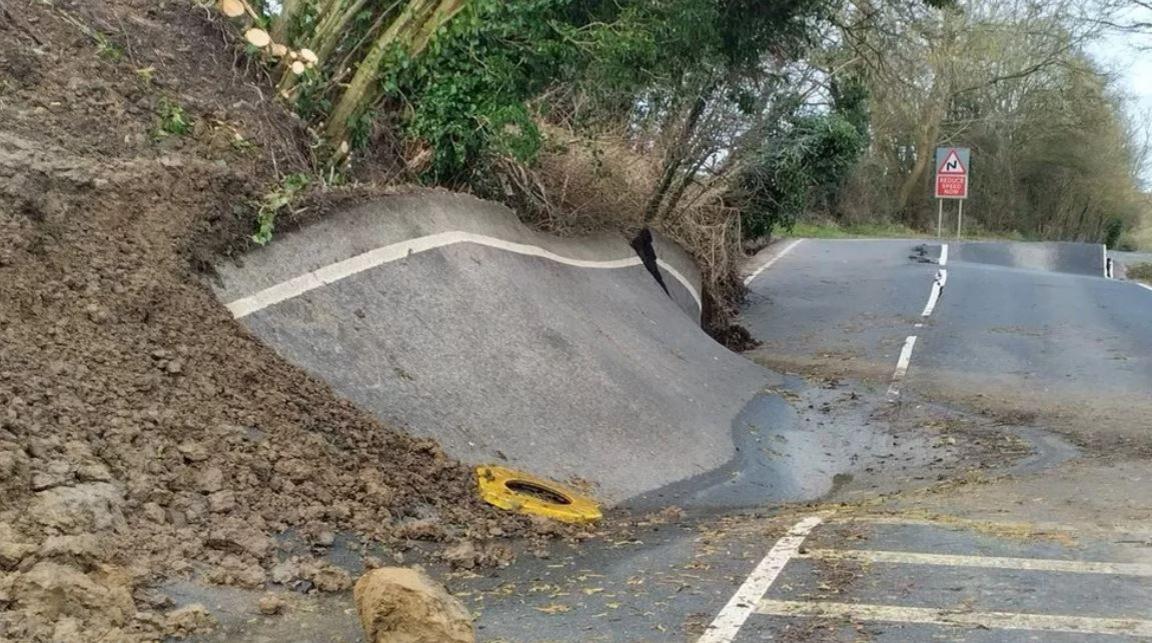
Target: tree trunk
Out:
[283,21]
[412,29]
[674,158]
[925,155]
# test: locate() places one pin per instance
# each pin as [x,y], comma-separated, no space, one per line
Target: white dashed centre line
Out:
[937,289]
[901,367]
[728,622]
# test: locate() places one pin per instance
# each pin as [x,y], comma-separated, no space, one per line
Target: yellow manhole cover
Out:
[519,491]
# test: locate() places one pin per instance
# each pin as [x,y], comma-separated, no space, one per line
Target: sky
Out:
[1121,54]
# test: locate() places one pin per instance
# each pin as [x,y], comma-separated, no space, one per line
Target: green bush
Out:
[809,160]
[466,95]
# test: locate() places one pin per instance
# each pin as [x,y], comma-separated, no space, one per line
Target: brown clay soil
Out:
[143,434]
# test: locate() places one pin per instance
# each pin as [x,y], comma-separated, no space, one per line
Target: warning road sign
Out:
[952,172]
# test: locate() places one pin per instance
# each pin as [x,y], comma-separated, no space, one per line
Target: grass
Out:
[1140,271]
[171,119]
[834,231]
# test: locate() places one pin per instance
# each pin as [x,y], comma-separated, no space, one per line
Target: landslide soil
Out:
[143,434]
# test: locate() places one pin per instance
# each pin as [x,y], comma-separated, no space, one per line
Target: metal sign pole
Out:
[959,217]
[939,217]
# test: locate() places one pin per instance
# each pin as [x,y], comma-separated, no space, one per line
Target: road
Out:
[1055,552]
[1031,334]
[973,423]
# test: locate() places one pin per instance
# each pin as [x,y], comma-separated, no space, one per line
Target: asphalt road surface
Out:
[978,561]
[1060,552]
[973,422]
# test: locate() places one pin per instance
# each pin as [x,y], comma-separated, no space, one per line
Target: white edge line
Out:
[901,367]
[334,272]
[959,618]
[943,254]
[1144,286]
[988,562]
[728,622]
[768,264]
[665,266]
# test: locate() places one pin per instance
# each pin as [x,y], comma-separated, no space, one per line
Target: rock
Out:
[84,550]
[42,480]
[461,556]
[154,512]
[324,539]
[240,540]
[327,578]
[222,502]
[285,571]
[94,472]
[235,571]
[12,553]
[399,604]
[92,506]
[271,604]
[97,313]
[193,451]
[189,620]
[57,591]
[68,630]
[210,480]
[13,464]
[293,469]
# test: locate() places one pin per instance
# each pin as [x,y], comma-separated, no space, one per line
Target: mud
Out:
[143,434]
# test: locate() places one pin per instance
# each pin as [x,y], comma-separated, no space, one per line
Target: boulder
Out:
[401,605]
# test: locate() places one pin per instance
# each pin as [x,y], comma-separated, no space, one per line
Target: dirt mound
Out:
[144,434]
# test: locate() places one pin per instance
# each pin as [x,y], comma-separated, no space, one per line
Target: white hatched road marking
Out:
[730,619]
[346,268]
[1031,527]
[932,616]
[992,562]
[901,367]
[768,264]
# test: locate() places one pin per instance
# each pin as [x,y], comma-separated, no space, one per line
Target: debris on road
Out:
[402,604]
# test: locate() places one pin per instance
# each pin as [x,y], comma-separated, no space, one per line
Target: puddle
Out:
[796,443]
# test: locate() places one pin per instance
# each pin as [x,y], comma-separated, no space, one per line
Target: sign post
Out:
[952,182]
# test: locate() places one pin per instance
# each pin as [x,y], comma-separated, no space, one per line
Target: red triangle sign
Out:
[952,165]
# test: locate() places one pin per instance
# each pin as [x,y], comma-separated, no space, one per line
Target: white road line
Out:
[768,264]
[1144,286]
[1038,528]
[989,562]
[932,616]
[731,618]
[901,367]
[1104,253]
[346,268]
[937,288]
[944,254]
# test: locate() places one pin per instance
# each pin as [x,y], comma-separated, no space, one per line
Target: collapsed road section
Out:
[445,315]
